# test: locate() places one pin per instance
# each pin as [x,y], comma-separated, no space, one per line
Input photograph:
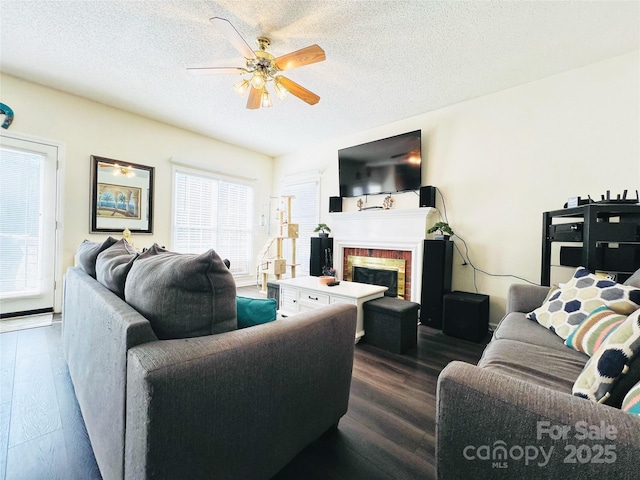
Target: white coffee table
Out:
[307,293]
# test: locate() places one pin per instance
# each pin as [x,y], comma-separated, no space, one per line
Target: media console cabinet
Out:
[307,293]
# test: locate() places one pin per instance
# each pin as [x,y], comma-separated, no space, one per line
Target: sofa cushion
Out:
[255,311]
[88,252]
[182,295]
[610,362]
[568,306]
[631,402]
[546,367]
[113,265]
[515,326]
[593,331]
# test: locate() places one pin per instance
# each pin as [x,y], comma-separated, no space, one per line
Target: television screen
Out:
[389,165]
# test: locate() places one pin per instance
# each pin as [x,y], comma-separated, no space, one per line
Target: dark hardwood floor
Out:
[388,432]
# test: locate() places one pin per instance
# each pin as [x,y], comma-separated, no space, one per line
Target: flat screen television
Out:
[388,165]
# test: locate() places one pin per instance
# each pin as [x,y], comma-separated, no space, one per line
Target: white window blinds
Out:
[213,212]
[20,225]
[305,211]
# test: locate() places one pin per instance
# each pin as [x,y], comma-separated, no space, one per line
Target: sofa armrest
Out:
[525,298]
[497,426]
[97,330]
[239,404]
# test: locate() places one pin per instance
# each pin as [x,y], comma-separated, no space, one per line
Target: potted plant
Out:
[444,231]
[324,230]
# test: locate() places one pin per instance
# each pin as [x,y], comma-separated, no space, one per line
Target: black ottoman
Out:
[391,324]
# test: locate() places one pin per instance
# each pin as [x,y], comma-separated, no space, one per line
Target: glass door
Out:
[27,226]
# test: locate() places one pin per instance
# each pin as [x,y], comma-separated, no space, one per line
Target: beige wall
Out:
[87,128]
[503,159]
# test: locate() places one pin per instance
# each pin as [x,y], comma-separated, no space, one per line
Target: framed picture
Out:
[121,196]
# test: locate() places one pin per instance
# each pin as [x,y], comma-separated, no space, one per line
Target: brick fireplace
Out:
[394,234]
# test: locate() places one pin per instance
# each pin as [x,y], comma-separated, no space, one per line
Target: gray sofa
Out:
[239,404]
[514,416]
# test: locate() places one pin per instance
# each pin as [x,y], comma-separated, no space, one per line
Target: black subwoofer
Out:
[466,315]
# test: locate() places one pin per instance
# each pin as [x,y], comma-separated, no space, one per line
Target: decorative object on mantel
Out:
[360,204]
[444,231]
[324,230]
[387,203]
[8,115]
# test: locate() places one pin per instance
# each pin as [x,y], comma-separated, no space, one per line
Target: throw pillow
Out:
[568,306]
[88,252]
[113,265]
[182,295]
[590,334]
[610,362]
[631,402]
[255,311]
[634,280]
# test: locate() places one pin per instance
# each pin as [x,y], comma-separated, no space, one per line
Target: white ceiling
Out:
[386,60]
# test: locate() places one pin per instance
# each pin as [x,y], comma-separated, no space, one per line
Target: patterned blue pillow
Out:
[568,306]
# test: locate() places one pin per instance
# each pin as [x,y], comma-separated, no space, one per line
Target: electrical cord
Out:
[465,257]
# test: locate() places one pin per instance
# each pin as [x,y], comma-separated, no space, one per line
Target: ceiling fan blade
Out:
[229,31]
[255,97]
[300,92]
[215,70]
[304,56]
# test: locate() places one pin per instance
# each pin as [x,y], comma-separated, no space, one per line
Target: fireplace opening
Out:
[387,272]
[375,276]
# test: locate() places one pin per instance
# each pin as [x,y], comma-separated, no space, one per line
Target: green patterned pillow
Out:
[593,331]
[631,402]
[610,362]
[568,306]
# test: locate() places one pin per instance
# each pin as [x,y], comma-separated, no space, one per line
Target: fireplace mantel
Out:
[401,229]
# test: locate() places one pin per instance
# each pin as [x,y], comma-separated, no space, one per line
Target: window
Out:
[213,212]
[305,211]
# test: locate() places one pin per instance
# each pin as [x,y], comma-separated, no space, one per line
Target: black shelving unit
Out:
[596,226]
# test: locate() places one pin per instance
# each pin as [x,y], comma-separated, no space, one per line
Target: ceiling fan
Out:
[262,68]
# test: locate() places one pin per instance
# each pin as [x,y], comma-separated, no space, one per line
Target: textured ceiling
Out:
[386,60]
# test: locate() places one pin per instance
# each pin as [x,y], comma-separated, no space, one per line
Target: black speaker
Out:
[428,196]
[321,255]
[436,280]
[335,204]
[466,316]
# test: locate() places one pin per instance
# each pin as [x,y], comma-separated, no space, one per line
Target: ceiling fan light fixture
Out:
[258,81]
[266,99]
[241,87]
[261,67]
[281,91]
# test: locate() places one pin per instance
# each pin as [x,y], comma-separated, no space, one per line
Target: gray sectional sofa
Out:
[238,404]
[514,416]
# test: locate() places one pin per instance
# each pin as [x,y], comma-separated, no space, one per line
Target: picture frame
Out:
[121,196]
